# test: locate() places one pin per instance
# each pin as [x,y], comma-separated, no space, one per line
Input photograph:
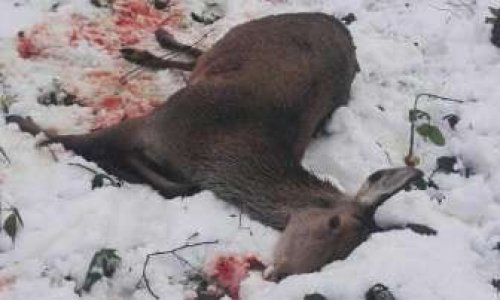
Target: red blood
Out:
[122,21]
[138,7]
[73,37]
[108,118]
[129,23]
[229,270]
[138,109]
[111,102]
[25,47]
[129,39]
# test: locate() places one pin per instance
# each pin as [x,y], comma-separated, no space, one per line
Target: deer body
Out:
[240,128]
[251,107]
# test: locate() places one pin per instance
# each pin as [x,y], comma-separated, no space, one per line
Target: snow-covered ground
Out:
[404,48]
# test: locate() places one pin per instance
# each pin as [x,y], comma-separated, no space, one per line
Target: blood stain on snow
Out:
[112,97]
[229,269]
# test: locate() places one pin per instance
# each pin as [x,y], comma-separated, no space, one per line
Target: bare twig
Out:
[176,255]
[116,182]
[5,156]
[84,167]
[388,157]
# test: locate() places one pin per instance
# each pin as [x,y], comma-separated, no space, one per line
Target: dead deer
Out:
[240,127]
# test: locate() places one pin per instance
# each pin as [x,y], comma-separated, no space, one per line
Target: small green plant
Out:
[420,122]
[12,223]
[103,264]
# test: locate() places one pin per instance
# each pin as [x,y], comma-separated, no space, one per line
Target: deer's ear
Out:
[382,184]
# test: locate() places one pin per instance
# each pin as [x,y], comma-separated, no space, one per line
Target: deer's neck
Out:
[269,191]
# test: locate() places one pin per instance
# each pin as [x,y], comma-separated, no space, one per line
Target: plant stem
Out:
[415,104]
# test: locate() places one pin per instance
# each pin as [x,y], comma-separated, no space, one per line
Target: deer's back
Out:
[261,90]
[282,59]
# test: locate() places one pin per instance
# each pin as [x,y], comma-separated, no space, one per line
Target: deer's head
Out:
[314,237]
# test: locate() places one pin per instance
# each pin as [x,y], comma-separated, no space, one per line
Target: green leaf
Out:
[103,264]
[10,226]
[90,280]
[436,136]
[432,133]
[416,114]
[15,211]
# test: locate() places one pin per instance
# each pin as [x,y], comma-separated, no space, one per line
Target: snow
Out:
[435,46]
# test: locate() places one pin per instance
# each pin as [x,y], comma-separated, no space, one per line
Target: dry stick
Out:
[387,156]
[5,156]
[417,98]
[114,182]
[137,70]
[462,4]
[240,222]
[172,252]
[451,11]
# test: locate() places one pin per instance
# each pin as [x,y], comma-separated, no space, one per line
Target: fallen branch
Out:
[5,156]
[99,177]
[174,253]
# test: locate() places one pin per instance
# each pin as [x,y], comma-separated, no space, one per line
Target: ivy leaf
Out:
[416,114]
[11,226]
[432,133]
[103,264]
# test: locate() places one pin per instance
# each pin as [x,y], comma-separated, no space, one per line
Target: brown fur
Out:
[240,129]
